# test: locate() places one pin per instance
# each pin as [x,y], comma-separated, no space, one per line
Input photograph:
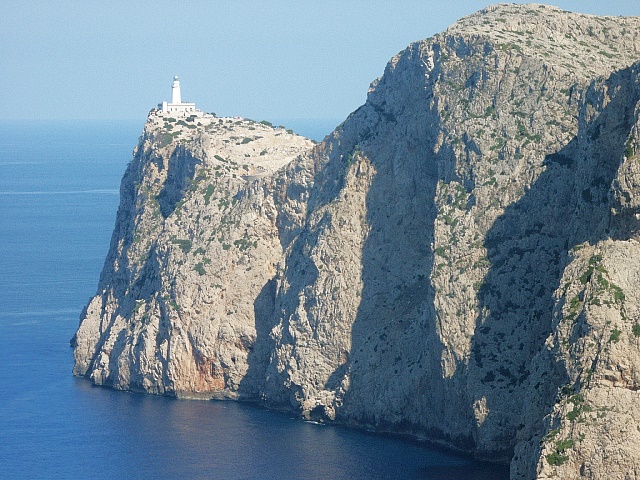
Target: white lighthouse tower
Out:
[175,91]
[177,106]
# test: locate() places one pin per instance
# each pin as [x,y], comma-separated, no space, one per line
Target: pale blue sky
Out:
[270,59]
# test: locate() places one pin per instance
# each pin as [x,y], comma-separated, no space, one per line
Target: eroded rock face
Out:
[456,261]
[195,242]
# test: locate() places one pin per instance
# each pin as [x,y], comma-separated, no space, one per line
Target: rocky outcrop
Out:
[456,261]
[194,244]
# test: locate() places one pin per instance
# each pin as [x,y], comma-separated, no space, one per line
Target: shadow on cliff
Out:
[395,371]
[394,344]
[180,172]
[405,181]
[394,367]
[262,381]
[393,364]
[528,248]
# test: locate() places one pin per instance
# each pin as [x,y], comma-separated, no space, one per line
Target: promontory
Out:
[459,260]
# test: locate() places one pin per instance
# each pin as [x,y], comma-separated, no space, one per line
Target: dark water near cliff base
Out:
[58,200]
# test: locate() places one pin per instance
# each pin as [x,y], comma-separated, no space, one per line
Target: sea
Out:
[59,193]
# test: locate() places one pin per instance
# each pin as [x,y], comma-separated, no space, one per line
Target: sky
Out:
[269,59]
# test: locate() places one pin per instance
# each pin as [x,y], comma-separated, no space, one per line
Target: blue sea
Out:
[59,186]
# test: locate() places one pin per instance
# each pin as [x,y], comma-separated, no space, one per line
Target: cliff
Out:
[456,261]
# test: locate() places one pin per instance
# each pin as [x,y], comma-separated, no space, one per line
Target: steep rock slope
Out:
[457,260]
[189,253]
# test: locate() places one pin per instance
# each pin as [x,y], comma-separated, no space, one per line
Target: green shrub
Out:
[628,152]
[615,335]
[164,140]
[185,244]
[636,329]
[440,251]
[574,304]
[556,458]
[243,244]
[618,294]
[207,193]
[573,414]
[562,445]
[576,399]
[586,276]
[200,269]
[595,259]
[551,434]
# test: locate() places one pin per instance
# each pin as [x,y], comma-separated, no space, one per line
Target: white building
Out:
[176,105]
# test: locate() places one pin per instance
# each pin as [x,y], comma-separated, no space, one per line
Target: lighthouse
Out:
[175,91]
[177,106]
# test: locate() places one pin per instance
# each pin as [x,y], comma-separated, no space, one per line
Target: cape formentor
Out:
[459,260]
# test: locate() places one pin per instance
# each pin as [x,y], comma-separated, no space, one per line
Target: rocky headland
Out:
[459,260]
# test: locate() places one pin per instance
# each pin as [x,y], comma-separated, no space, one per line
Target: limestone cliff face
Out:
[457,260]
[195,242]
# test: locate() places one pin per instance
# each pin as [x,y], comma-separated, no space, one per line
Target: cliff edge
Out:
[457,261]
